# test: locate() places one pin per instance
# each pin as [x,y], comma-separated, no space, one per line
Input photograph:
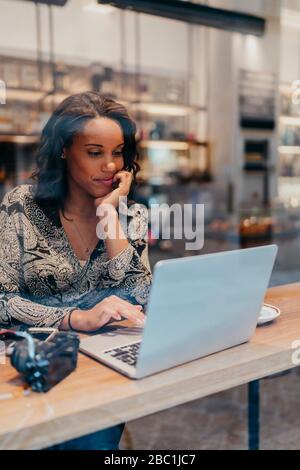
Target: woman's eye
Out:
[97,154]
[94,154]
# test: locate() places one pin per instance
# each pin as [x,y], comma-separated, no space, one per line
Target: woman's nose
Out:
[110,166]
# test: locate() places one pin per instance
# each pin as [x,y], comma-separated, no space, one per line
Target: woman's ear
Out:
[63,153]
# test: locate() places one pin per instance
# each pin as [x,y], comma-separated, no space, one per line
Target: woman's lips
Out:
[106,182]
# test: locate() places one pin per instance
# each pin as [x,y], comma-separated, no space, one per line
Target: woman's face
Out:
[95,155]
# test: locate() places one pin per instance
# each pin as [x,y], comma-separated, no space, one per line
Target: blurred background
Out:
[214,94]
[214,87]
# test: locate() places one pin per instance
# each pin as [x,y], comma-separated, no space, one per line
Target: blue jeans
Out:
[107,439]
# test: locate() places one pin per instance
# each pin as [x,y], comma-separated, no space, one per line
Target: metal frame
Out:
[253,414]
[196,14]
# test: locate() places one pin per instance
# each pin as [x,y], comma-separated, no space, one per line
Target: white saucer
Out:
[267,314]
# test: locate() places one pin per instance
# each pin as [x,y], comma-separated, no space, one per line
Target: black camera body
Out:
[51,361]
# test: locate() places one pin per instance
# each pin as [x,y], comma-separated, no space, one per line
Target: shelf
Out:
[24,94]
[292,179]
[19,138]
[165,109]
[56,98]
[286,88]
[289,149]
[170,144]
[152,108]
[289,120]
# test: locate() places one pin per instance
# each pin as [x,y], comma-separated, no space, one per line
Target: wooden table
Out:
[95,397]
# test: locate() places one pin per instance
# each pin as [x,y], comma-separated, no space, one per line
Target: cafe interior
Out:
[216,99]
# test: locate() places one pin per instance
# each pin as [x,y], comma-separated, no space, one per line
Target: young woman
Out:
[54,270]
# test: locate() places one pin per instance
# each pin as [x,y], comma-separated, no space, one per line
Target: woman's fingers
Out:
[124,178]
[118,313]
[138,308]
[136,312]
[107,315]
[116,316]
[131,313]
[121,175]
[138,319]
[126,303]
[116,308]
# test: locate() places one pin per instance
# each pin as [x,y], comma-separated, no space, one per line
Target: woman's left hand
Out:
[125,179]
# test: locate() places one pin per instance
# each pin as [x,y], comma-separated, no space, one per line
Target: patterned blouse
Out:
[41,278]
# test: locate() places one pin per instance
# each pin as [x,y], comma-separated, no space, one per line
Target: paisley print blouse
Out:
[41,278]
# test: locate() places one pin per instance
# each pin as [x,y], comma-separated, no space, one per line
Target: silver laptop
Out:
[197,306]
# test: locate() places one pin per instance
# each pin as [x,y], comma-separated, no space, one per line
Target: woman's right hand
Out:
[109,309]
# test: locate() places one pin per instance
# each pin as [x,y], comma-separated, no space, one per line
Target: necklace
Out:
[87,249]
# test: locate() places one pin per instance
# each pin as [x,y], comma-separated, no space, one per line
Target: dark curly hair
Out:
[66,121]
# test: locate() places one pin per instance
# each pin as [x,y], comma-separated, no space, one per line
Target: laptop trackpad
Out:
[111,337]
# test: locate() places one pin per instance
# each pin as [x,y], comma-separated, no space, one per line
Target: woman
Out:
[54,270]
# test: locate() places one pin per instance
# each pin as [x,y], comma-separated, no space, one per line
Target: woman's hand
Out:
[110,309]
[125,179]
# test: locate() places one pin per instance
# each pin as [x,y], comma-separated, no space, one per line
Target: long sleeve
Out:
[130,270]
[41,279]
[14,306]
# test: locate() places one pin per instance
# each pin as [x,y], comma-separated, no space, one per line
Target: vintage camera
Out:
[43,364]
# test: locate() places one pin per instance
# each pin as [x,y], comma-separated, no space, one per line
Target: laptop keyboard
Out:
[128,353]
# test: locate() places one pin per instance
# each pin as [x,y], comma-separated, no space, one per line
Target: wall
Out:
[228,54]
[290,46]
[86,36]
[83,35]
